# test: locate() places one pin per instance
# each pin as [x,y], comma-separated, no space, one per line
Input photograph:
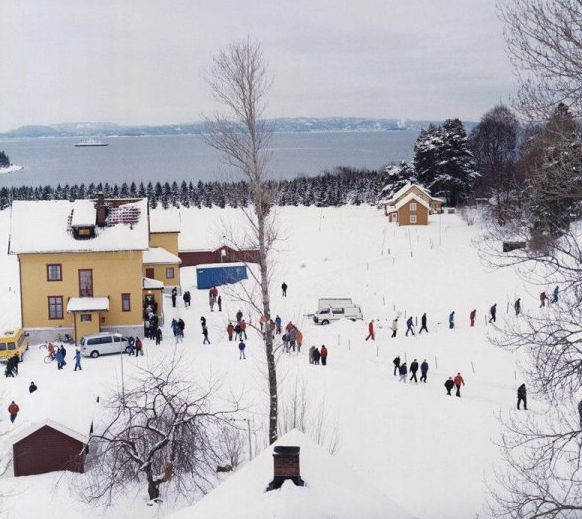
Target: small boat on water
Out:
[90,142]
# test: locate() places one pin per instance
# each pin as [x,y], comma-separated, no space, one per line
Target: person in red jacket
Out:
[243,329]
[371,331]
[230,331]
[13,411]
[472,317]
[323,353]
[458,383]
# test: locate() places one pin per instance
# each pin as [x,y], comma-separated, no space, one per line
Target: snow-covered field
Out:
[428,452]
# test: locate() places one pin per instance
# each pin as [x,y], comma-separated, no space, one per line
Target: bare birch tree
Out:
[544,39]
[239,82]
[162,429]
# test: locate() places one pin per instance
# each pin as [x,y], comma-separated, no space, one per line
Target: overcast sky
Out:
[143,61]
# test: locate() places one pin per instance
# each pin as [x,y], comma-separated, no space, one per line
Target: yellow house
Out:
[161,265]
[165,229]
[393,205]
[80,265]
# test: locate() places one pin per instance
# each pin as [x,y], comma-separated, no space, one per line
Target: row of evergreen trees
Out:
[339,187]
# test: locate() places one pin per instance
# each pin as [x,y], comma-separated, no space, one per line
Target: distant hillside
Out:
[294,124]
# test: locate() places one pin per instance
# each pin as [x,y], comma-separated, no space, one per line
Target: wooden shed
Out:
[224,254]
[48,447]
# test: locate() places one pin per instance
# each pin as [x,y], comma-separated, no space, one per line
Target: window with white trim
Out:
[412,218]
[413,206]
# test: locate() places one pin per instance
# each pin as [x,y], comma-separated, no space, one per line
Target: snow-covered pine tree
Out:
[426,156]
[396,176]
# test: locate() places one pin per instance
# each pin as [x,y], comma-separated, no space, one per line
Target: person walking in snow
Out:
[316,356]
[78,360]
[284,289]
[555,294]
[409,326]
[32,388]
[202,322]
[451,320]
[230,331]
[423,324]
[138,347]
[394,327]
[278,322]
[174,326]
[473,316]
[187,297]
[396,363]
[174,296]
[371,330]
[517,306]
[423,371]
[291,335]
[13,410]
[205,333]
[131,342]
[243,329]
[311,350]
[158,336]
[493,313]
[182,325]
[211,301]
[237,332]
[449,385]
[60,358]
[323,355]
[262,321]
[413,370]
[285,339]
[522,397]
[241,349]
[543,298]
[298,339]
[219,303]
[239,316]
[403,371]
[458,383]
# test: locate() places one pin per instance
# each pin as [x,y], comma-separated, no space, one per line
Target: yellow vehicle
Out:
[11,342]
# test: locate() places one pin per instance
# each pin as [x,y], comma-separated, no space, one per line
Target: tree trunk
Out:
[153,487]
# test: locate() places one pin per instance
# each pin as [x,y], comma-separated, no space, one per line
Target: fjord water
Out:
[55,161]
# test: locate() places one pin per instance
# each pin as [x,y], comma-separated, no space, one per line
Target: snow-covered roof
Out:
[83,437]
[84,213]
[152,284]
[410,198]
[402,191]
[220,265]
[331,491]
[88,304]
[159,255]
[165,220]
[46,226]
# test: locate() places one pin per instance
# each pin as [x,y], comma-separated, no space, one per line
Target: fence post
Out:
[436,362]
[473,366]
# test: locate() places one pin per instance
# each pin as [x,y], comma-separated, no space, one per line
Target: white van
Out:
[103,344]
[335,313]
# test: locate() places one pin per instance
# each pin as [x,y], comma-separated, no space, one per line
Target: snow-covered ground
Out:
[11,169]
[428,452]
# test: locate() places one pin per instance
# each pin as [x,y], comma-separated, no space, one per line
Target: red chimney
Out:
[286,466]
[101,210]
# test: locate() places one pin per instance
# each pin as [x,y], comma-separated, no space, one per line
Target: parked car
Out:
[335,313]
[12,342]
[103,343]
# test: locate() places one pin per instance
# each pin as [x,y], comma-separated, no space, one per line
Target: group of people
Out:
[292,338]
[136,346]
[315,355]
[12,366]
[238,330]
[177,326]
[151,325]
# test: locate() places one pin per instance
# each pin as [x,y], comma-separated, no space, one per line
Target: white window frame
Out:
[412,218]
[413,206]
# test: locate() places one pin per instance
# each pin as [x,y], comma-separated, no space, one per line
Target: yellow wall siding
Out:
[87,328]
[166,240]
[160,273]
[114,273]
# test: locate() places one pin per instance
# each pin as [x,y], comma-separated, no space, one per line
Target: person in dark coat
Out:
[423,324]
[238,332]
[239,315]
[32,388]
[403,371]
[205,333]
[278,322]
[243,329]
[423,371]
[64,355]
[59,357]
[158,336]
[131,344]
[580,412]
[409,326]
[230,331]
[241,349]
[316,356]
[187,297]
[174,296]
[449,385]
[13,411]
[396,363]
[202,322]
[458,380]
[522,397]
[451,320]
[413,370]
[493,312]
[543,298]
[323,355]
[284,289]
[182,325]
[555,294]
[472,317]
[219,303]
[78,360]
[517,306]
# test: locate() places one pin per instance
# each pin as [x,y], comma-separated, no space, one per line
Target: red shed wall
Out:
[48,450]
[193,258]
